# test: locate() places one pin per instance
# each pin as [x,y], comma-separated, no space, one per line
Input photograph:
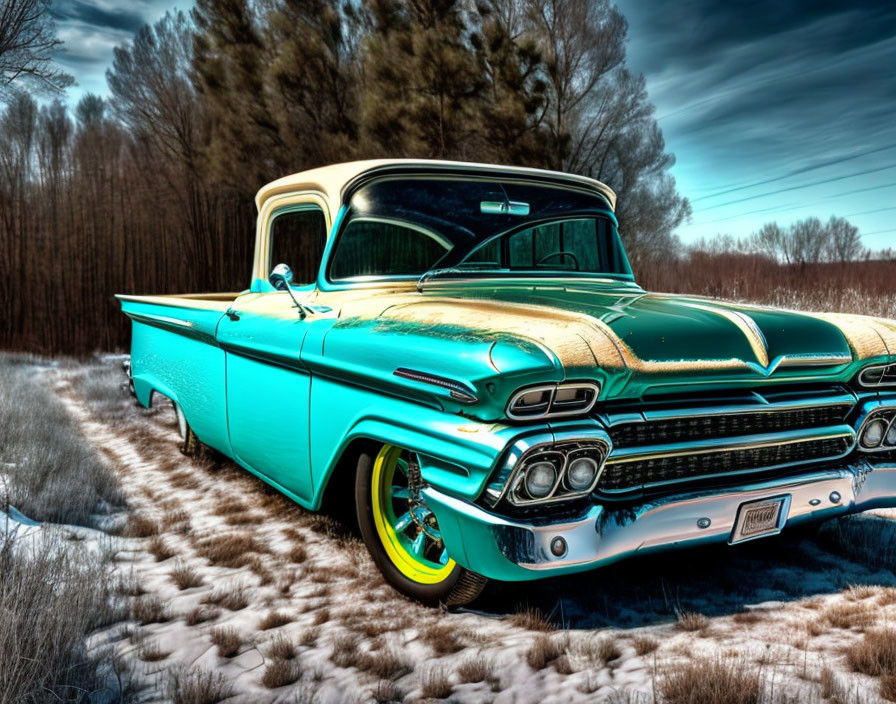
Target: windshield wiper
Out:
[450,270]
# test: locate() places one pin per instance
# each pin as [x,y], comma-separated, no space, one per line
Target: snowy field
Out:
[232,593]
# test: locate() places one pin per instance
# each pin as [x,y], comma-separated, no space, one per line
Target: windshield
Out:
[408,228]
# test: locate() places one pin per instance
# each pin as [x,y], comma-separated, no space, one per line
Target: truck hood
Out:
[623,335]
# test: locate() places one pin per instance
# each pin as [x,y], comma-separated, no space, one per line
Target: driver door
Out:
[268,388]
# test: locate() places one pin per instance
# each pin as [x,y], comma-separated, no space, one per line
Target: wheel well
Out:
[339,494]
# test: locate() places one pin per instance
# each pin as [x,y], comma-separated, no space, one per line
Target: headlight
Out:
[557,472]
[581,473]
[540,479]
[874,433]
[878,432]
[553,400]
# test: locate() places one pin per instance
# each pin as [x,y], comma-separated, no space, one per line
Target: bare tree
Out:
[844,241]
[27,41]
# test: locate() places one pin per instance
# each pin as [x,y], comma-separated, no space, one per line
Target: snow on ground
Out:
[233,578]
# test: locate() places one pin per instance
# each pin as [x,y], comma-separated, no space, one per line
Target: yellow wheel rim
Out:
[413,552]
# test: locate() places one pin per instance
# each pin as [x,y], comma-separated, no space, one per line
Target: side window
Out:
[369,247]
[297,238]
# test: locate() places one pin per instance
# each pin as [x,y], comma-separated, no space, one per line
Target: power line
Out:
[795,172]
[812,203]
[797,188]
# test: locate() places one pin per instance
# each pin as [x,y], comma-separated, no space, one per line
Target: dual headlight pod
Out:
[878,432]
[557,473]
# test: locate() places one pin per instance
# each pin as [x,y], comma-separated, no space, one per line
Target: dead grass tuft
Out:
[298,554]
[281,648]
[197,687]
[704,681]
[345,646]
[140,526]
[875,654]
[201,614]
[234,599]
[274,619]
[280,673]
[149,609]
[747,617]
[444,639]
[691,621]
[228,641]
[185,577]
[435,684]
[385,663]
[644,645]
[596,651]
[532,620]
[846,615]
[231,550]
[159,549]
[545,650]
[474,669]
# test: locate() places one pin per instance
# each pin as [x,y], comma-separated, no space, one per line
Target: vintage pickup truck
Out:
[461,351]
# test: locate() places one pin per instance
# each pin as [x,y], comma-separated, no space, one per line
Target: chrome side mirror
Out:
[281,277]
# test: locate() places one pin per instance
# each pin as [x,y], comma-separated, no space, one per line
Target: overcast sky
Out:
[775,109]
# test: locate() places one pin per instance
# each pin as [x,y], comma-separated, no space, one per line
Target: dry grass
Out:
[274,619]
[197,687]
[50,471]
[231,550]
[345,647]
[281,648]
[875,654]
[747,617]
[596,651]
[385,663]
[228,641]
[49,602]
[159,549]
[704,681]
[644,645]
[140,526]
[280,673]
[233,599]
[532,620]
[149,609]
[546,649]
[435,683]
[185,577]
[691,621]
[475,669]
[298,554]
[444,638]
[201,614]
[845,615]
[151,651]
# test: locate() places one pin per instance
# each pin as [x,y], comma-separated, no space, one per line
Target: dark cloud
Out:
[758,93]
[115,18]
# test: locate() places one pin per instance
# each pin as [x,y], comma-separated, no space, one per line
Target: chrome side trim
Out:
[459,391]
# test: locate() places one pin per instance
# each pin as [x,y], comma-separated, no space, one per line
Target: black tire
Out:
[460,587]
[189,443]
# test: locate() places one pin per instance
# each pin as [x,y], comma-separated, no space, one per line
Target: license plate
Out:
[758,518]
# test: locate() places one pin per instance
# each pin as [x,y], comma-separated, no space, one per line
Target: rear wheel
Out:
[189,444]
[402,534]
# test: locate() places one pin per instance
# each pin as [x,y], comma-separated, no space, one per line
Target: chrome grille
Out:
[726,426]
[698,441]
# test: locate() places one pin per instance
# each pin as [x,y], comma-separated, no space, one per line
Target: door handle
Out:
[232,314]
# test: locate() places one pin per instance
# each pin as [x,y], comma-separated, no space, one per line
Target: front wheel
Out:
[189,444]
[403,536]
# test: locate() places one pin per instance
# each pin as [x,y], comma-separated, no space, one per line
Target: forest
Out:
[150,189]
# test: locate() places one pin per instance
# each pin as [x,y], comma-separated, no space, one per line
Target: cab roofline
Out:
[338,181]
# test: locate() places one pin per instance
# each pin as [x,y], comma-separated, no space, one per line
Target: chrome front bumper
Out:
[603,534]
